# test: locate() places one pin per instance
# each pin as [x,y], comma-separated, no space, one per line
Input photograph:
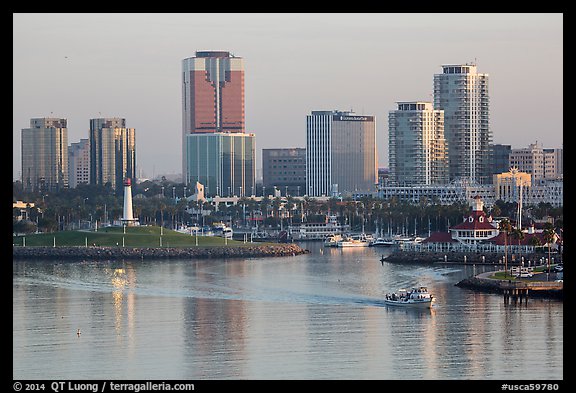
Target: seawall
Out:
[99,253]
[461,257]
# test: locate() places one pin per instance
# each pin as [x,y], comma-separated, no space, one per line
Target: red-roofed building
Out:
[475,228]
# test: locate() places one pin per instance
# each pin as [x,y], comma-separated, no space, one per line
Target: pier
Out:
[520,290]
[515,290]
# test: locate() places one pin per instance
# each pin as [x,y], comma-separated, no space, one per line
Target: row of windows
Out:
[289,160]
[289,166]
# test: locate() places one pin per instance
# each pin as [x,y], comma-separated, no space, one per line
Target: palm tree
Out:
[518,235]
[549,237]
[505,227]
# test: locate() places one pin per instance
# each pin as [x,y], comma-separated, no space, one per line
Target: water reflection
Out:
[316,316]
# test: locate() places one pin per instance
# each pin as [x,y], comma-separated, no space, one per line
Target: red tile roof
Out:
[477,220]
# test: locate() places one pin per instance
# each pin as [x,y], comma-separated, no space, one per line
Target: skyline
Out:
[77,67]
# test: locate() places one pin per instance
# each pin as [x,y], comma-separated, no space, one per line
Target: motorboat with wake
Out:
[415,298]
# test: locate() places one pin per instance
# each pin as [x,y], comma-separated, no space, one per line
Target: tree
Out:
[505,227]
[518,235]
[549,238]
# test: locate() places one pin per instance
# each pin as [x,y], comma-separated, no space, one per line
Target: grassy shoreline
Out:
[141,236]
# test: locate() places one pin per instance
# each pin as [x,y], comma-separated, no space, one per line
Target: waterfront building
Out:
[341,154]
[22,208]
[212,98]
[479,233]
[223,162]
[447,194]
[112,152]
[285,170]
[462,93]
[512,185]
[417,148]
[79,163]
[547,191]
[476,227]
[45,155]
[540,163]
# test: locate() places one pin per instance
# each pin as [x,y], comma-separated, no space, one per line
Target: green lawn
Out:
[142,236]
[499,275]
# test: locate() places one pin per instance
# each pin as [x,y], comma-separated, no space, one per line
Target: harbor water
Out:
[313,316]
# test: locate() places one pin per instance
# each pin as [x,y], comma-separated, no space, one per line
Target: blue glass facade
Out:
[223,162]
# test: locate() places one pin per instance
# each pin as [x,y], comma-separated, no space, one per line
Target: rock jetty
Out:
[99,253]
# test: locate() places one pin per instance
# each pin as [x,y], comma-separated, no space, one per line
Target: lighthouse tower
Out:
[127,218]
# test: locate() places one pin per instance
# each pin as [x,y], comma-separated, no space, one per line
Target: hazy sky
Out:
[84,66]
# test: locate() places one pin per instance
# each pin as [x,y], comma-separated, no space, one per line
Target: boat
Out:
[382,242]
[222,230]
[318,230]
[332,240]
[361,240]
[416,298]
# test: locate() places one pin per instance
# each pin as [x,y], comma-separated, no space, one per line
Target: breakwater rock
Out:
[480,284]
[99,253]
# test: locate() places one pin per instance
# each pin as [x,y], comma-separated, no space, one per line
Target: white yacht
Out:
[361,240]
[416,297]
[332,240]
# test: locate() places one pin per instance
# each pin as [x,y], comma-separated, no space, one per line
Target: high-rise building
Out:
[340,153]
[112,152]
[500,158]
[45,155]
[417,148]
[284,169]
[212,97]
[540,163]
[223,162]
[462,93]
[79,163]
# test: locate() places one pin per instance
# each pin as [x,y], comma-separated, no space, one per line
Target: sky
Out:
[90,65]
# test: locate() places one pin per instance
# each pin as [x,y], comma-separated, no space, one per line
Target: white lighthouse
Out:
[127,218]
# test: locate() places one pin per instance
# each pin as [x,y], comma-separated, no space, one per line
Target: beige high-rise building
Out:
[112,152]
[79,163]
[540,163]
[45,155]
[417,147]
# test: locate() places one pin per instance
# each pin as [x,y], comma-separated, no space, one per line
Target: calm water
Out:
[315,316]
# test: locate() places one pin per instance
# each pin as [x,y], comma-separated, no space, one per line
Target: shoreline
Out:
[458,257]
[482,283]
[194,252]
